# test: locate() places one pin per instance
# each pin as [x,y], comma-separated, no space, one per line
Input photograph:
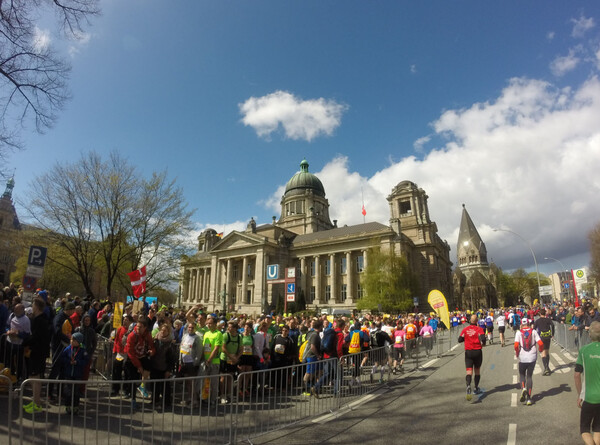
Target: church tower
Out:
[475,281]
[10,228]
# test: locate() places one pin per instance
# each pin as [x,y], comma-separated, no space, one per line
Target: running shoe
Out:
[477,391]
[314,392]
[306,394]
[142,391]
[523,395]
[33,408]
[28,405]
[469,395]
[529,402]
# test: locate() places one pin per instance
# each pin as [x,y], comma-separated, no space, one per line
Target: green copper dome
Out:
[304,180]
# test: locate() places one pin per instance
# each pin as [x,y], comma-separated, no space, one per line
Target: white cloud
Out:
[413,69]
[526,161]
[80,40]
[420,143]
[41,40]
[563,64]
[550,35]
[581,25]
[299,119]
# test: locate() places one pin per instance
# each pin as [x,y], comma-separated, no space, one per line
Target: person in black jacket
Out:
[162,363]
[39,347]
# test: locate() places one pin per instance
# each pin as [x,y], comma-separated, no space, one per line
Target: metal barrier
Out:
[570,340]
[6,398]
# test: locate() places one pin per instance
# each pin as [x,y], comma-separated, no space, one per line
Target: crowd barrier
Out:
[215,408]
[570,340]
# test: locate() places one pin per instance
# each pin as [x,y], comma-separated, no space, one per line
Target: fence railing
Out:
[570,339]
[207,407]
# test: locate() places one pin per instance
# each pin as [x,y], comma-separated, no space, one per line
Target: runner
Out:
[588,363]
[501,320]
[489,327]
[525,340]
[473,337]
[545,328]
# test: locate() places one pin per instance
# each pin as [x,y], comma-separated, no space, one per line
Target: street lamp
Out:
[564,269]
[537,271]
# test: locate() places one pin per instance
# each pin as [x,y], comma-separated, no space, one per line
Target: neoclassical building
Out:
[10,228]
[475,280]
[305,256]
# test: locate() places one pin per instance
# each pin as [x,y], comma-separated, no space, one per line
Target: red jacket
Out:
[118,346]
[139,346]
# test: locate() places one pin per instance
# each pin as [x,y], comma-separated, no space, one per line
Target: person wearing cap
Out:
[72,362]
[525,341]
[62,328]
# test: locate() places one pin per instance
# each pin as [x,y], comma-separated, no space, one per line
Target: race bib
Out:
[247,350]
[280,349]
[398,339]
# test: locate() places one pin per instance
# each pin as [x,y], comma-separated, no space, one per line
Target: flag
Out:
[439,304]
[220,235]
[364,212]
[138,281]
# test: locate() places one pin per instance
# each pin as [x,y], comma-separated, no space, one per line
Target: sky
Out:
[495,105]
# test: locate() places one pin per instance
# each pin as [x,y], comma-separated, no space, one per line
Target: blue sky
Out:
[491,104]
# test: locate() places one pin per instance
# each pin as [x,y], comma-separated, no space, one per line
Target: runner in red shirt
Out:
[473,337]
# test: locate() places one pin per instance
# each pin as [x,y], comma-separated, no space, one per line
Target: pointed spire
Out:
[471,248]
[10,185]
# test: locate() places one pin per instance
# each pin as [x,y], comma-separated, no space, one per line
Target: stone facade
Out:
[230,273]
[10,230]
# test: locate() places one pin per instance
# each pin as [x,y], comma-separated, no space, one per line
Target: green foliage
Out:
[388,283]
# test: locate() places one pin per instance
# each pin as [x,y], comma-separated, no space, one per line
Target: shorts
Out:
[501,329]
[227,368]
[473,358]
[398,353]
[247,360]
[311,366]
[489,329]
[590,416]
[188,370]
[146,363]
[546,341]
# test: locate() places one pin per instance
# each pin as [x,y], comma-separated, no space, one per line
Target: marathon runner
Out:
[501,320]
[545,328]
[525,340]
[473,337]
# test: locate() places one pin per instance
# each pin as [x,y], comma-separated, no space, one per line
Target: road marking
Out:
[515,366]
[512,434]
[429,363]
[351,406]
[513,399]
[454,347]
[561,363]
[515,379]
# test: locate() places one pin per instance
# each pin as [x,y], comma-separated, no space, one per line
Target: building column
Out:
[349,279]
[228,286]
[318,294]
[333,275]
[364,259]
[303,278]
[244,280]
[213,290]
[259,279]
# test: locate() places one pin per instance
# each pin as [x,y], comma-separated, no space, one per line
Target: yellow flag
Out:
[117,315]
[439,304]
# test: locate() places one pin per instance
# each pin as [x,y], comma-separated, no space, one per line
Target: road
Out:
[428,406]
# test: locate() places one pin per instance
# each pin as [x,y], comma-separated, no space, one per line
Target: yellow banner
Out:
[439,304]
[117,315]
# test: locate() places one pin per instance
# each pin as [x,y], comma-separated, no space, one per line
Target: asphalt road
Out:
[428,406]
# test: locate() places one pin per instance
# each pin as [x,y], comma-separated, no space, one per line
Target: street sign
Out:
[291,297]
[34,271]
[273,272]
[291,288]
[416,301]
[37,256]
[29,283]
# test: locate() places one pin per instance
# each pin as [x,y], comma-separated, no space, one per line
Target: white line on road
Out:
[512,434]
[515,379]
[560,362]
[361,401]
[513,399]
[515,366]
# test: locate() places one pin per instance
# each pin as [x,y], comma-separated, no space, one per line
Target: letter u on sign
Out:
[272,272]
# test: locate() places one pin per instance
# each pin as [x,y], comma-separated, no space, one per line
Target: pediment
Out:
[239,240]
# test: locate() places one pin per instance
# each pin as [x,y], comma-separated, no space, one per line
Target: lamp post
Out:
[537,271]
[564,269]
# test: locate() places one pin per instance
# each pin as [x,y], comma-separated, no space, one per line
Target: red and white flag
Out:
[138,281]
[364,211]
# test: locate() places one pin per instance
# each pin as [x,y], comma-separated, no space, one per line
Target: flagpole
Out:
[363,204]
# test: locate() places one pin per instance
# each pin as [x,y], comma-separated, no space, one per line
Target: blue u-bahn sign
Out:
[273,272]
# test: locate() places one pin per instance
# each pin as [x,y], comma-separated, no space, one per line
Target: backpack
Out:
[305,348]
[526,338]
[328,342]
[516,319]
[354,342]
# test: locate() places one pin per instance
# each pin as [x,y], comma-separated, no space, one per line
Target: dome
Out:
[302,181]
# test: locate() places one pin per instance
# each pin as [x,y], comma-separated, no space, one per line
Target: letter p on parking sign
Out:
[37,256]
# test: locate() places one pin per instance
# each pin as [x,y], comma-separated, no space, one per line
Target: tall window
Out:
[328,267]
[235,272]
[344,292]
[249,271]
[328,292]
[313,268]
[360,263]
[343,265]
[359,291]
[312,294]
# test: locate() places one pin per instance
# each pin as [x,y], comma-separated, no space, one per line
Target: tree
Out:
[388,283]
[594,237]
[33,75]
[103,212]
